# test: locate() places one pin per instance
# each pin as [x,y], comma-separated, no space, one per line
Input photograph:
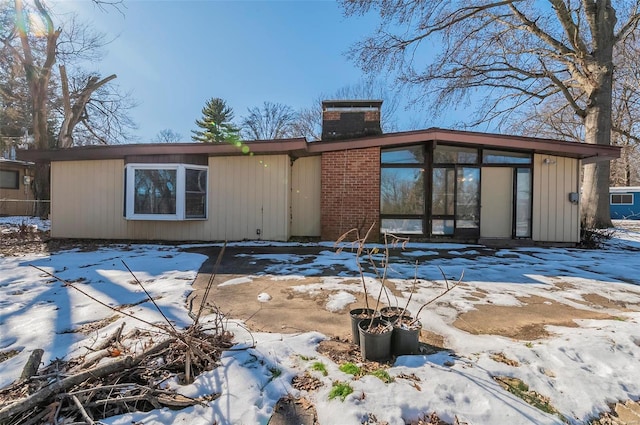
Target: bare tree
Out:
[37,57]
[105,118]
[556,119]
[167,136]
[271,121]
[518,52]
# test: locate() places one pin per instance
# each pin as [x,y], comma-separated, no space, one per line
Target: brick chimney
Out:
[348,119]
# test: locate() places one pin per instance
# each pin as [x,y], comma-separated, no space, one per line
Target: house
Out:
[624,203]
[431,184]
[16,196]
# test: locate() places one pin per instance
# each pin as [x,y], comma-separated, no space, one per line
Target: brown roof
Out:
[298,147]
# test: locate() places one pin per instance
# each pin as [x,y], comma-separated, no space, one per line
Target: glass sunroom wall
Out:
[443,201]
[455,190]
[402,189]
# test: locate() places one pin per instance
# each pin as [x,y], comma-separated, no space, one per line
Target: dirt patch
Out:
[339,351]
[526,322]
[287,311]
[603,302]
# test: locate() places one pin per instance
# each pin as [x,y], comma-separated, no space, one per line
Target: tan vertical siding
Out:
[87,199]
[249,193]
[245,193]
[305,196]
[555,219]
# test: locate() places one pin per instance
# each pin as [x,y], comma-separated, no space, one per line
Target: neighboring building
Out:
[16,196]
[431,184]
[625,203]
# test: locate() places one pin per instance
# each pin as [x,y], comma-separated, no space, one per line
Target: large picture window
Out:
[165,192]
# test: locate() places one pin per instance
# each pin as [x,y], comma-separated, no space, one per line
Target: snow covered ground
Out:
[581,369]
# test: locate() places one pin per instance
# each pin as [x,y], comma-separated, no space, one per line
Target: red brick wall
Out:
[372,116]
[331,115]
[350,195]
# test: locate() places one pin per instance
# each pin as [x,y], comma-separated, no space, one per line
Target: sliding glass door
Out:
[455,206]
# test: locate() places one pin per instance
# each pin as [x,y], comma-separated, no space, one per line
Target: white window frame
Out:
[621,195]
[180,214]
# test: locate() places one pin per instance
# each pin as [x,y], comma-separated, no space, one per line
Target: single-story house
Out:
[16,196]
[431,184]
[625,203]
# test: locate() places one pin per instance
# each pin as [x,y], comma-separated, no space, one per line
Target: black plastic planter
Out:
[375,346]
[357,315]
[391,314]
[406,339]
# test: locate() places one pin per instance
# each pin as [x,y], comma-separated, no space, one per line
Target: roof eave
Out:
[258,147]
[298,147]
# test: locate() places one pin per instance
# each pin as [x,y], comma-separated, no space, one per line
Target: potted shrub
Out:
[359,314]
[375,339]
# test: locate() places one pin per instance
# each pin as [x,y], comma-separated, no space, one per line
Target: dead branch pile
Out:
[120,374]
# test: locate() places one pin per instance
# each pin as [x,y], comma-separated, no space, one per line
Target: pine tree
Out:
[215,125]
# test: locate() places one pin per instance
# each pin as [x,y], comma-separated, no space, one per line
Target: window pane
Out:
[196,193]
[442,227]
[523,202]
[622,199]
[401,191]
[443,191]
[502,157]
[155,191]
[399,225]
[454,155]
[9,179]
[403,155]
[467,199]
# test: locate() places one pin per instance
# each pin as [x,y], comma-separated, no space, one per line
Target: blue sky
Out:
[174,55]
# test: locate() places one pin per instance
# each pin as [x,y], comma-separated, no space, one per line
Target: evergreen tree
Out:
[215,125]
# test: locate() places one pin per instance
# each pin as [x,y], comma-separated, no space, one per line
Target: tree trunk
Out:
[38,78]
[42,189]
[597,122]
[595,185]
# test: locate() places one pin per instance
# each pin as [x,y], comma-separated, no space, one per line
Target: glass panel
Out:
[454,155]
[442,227]
[403,155]
[155,191]
[9,179]
[400,225]
[523,203]
[443,191]
[502,157]
[467,198]
[401,191]
[625,199]
[195,193]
